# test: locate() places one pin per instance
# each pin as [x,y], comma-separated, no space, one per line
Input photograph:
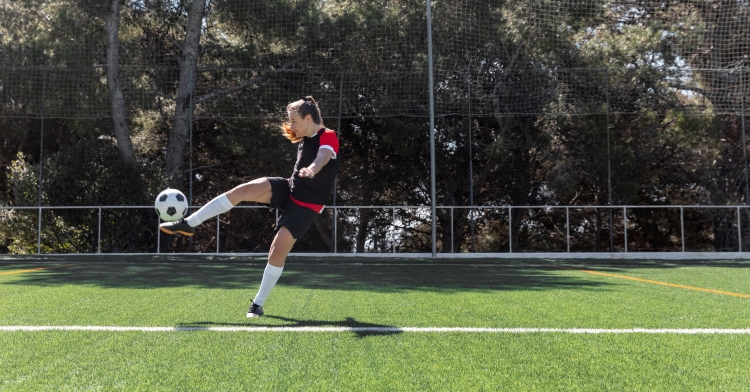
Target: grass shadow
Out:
[361,329]
[375,278]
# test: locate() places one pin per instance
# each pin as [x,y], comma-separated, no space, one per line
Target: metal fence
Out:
[511,97]
[572,237]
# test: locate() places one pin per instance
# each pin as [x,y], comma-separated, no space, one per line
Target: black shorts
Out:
[294,217]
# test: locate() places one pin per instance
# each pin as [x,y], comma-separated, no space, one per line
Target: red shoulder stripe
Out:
[328,138]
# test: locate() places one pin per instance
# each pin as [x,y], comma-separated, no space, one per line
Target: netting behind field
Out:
[527,57]
[540,102]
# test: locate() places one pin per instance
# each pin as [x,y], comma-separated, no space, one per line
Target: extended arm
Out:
[324,155]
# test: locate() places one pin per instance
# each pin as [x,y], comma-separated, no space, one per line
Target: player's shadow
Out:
[361,329]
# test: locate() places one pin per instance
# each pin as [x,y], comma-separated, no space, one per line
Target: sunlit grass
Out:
[498,295]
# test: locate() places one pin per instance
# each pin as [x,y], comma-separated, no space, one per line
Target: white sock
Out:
[270,277]
[218,205]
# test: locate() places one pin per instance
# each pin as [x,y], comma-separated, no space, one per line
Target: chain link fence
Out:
[552,121]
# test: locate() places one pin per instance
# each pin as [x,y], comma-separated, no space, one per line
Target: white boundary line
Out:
[383,330]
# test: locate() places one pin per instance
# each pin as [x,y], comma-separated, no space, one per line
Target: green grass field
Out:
[342,293]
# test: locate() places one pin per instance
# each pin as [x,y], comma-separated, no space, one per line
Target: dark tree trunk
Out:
[117,98]
[175,158]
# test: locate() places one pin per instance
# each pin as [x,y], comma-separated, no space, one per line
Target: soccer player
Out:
[301,197]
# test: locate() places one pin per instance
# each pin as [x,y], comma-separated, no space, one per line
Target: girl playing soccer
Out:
[301,197]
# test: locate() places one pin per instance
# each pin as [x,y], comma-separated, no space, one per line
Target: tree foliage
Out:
[539,103]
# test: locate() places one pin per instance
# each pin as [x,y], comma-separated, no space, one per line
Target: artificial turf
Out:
[393,295]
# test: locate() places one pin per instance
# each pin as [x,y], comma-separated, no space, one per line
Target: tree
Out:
[117,99]
[571,103]
[184,104]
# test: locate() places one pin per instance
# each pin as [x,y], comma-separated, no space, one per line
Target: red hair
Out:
[289,134]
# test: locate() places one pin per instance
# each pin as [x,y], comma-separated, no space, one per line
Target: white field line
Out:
[383,330]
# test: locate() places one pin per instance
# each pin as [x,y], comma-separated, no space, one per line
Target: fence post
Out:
[452,229]
[567,226]
[739,231]
[334,227]
[744,144]
[625,226]
[432,126]
[682,227]
[190,140]
[393,224]
[742,121]
[609,166]
[99,232]
[510,229]
[41,162]
[158,236]
[471,158]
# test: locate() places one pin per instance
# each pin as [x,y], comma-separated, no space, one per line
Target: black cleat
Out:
[254,311]
[177,227]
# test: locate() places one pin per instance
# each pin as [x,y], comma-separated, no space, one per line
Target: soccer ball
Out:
[171,205]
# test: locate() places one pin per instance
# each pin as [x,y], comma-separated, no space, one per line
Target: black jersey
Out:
[314,192]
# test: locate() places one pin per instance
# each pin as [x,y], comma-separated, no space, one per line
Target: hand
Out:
[306,172]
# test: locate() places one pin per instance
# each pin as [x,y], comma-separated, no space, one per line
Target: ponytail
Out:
[289,134]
